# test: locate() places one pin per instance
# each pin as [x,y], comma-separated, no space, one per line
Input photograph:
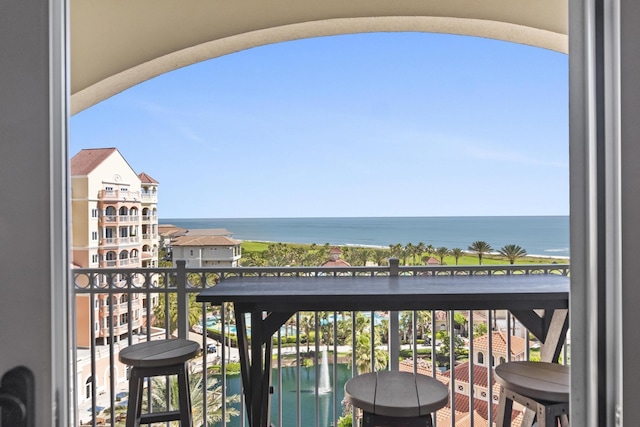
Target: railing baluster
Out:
[490,365]
[452,365]
[472,396]
[279,364]
[334,381]
[434,366]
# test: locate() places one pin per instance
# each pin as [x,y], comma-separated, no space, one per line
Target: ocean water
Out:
[539,235]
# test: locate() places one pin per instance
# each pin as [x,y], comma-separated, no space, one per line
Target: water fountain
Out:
[324,384]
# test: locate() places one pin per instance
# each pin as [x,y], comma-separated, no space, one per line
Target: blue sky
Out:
[383,124]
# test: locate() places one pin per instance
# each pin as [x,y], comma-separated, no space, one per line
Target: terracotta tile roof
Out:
[481,410]
[170,230]
[433,261]
[443,416]
[423,368]
[335,250]
[461,373]
[336,263]
[88,159]
[461,403]
[205,241]
[144,178]
[499,343]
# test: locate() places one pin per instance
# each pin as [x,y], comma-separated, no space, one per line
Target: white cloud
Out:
[502,154]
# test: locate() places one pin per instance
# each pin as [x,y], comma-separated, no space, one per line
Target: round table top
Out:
[152,354]
[396,394]
[537,380]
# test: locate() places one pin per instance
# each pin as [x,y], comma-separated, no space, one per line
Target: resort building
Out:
[335,259]
[168,232]
[206,250]
[114,224]
[498,348]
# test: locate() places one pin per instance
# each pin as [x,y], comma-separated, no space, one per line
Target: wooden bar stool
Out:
[540,386]
[399,399]
[155,358]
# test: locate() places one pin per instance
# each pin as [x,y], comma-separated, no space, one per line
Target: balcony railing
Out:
[308,346]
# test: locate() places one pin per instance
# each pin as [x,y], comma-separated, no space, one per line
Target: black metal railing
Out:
[160,303]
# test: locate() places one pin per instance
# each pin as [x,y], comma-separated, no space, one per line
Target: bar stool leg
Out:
[505,406]
[134,407]
[543,419]
[184,397]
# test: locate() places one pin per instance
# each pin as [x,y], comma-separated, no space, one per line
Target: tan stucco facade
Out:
[118,43]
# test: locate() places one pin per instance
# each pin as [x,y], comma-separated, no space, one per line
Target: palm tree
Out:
[423,318]
[409,251]
[457,253]
[406,324]
[306,324]
[363,355]
[214,398]
[381,256]
[480,247]
[442,252]
[396,250]
[420,248]
[512,252]
[194,313]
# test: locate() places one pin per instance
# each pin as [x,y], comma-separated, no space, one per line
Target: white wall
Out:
[32,203]
[630,179]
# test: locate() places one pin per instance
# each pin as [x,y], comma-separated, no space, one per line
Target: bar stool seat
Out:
[155,358]
[540,386]
[392,398]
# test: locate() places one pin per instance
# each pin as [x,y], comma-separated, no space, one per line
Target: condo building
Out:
[114,224]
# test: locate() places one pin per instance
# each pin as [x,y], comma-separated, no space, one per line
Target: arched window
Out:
[502,360]
[124,255]
[111,256]
[124,211]
[87,387]
[480,358]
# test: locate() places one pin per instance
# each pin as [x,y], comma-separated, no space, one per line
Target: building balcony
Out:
[150,219]
[110,310]
[123,262]
[149,197]
[312,346]
[117,195]
[130,240]
[146,255]
[118,330]
[112,220]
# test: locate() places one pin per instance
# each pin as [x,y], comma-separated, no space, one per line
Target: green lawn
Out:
[250,246]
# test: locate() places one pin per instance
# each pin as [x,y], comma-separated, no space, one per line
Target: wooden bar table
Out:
[539,301]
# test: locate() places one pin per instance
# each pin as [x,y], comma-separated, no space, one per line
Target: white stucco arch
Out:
[118,44]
